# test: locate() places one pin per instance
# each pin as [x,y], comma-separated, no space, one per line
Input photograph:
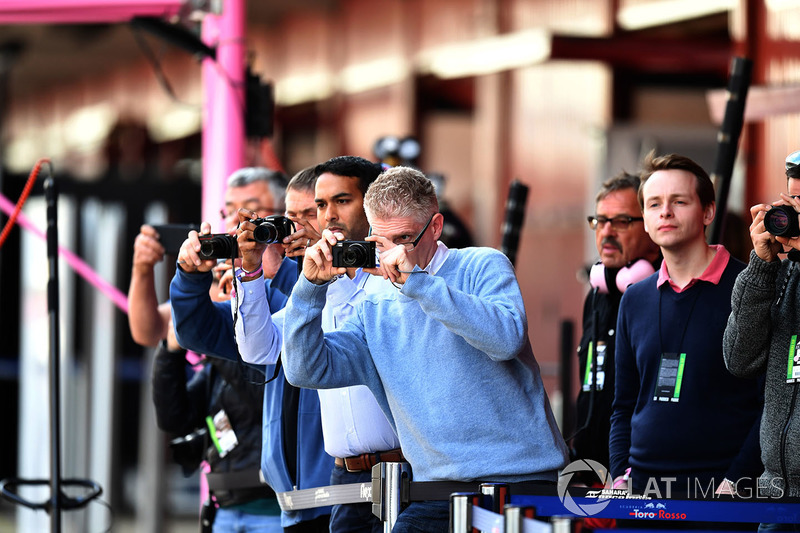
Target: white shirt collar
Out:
[438,258]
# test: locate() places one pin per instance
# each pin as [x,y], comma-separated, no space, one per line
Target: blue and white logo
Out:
[564,479]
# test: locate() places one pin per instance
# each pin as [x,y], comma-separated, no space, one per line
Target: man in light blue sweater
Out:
[447,355]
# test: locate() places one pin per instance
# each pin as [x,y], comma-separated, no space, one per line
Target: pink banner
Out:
[83,11]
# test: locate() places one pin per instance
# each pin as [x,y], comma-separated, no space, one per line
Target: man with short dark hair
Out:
[682,423]
[356,431]
[292,454]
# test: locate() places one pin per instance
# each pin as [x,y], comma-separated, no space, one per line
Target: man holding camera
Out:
[446,353]
[682,424]
[762,333]
[218,389]
[355,429]
[292,454]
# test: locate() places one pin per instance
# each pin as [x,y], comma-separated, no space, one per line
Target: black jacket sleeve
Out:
[180,406]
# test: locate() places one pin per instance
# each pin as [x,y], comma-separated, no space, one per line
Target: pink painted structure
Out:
[223,134]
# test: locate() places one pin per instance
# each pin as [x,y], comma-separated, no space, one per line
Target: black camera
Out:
[218,246]
[172,236]
[273,228]
[354,254]
[782,221]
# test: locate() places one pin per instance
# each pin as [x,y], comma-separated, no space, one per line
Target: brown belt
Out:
[365,461]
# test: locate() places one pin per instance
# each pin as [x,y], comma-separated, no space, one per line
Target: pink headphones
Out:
[608,279]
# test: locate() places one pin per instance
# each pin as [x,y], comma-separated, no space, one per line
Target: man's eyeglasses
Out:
[260,211]
[619,223]
[409,246]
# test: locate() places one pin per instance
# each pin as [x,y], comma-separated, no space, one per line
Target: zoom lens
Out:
[266,233]
[782,221]
[218,246]
[356,254]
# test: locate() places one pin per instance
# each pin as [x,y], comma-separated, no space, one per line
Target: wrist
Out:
[246,275]
[143,270]
[251,268]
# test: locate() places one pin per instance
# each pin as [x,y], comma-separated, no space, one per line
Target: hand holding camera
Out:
[318,262]
[394,262]
[255,234]
[774,226]
[295,245]
[193,255]
[147,250]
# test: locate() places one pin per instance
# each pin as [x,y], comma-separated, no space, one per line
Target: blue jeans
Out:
[424,517]
[353,517]
[233,521]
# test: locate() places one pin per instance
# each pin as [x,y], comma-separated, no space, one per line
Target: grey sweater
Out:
[761,336]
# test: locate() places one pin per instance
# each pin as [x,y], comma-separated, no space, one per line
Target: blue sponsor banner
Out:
[755,510]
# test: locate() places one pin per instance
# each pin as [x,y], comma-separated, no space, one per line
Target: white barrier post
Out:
[461,504]
[562,524]
[514,516]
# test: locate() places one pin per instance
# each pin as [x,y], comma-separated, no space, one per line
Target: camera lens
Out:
[355,254]
[782,220]
[266,232]
[218,246]
[779,220]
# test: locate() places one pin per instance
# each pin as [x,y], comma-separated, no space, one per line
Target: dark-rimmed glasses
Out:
[619,223]
[224,213]
[409,246]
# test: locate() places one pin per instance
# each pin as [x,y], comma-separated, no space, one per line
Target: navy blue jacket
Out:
[712,431]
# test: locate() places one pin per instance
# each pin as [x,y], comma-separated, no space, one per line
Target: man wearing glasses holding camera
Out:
[762,334]
[446,354]
[207,327]
[626,255]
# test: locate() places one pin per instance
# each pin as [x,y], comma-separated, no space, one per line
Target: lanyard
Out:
[672,365]
[685,327]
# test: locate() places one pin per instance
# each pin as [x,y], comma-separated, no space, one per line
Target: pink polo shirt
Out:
[712,273]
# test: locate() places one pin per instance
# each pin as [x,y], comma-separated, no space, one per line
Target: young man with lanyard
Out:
[292,454]
[446,353]
[356,432]
[682,424]
[762,336]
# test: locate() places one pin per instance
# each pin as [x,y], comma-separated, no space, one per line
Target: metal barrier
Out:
[387,491]
[489,510]
[514,508]
[514,516]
